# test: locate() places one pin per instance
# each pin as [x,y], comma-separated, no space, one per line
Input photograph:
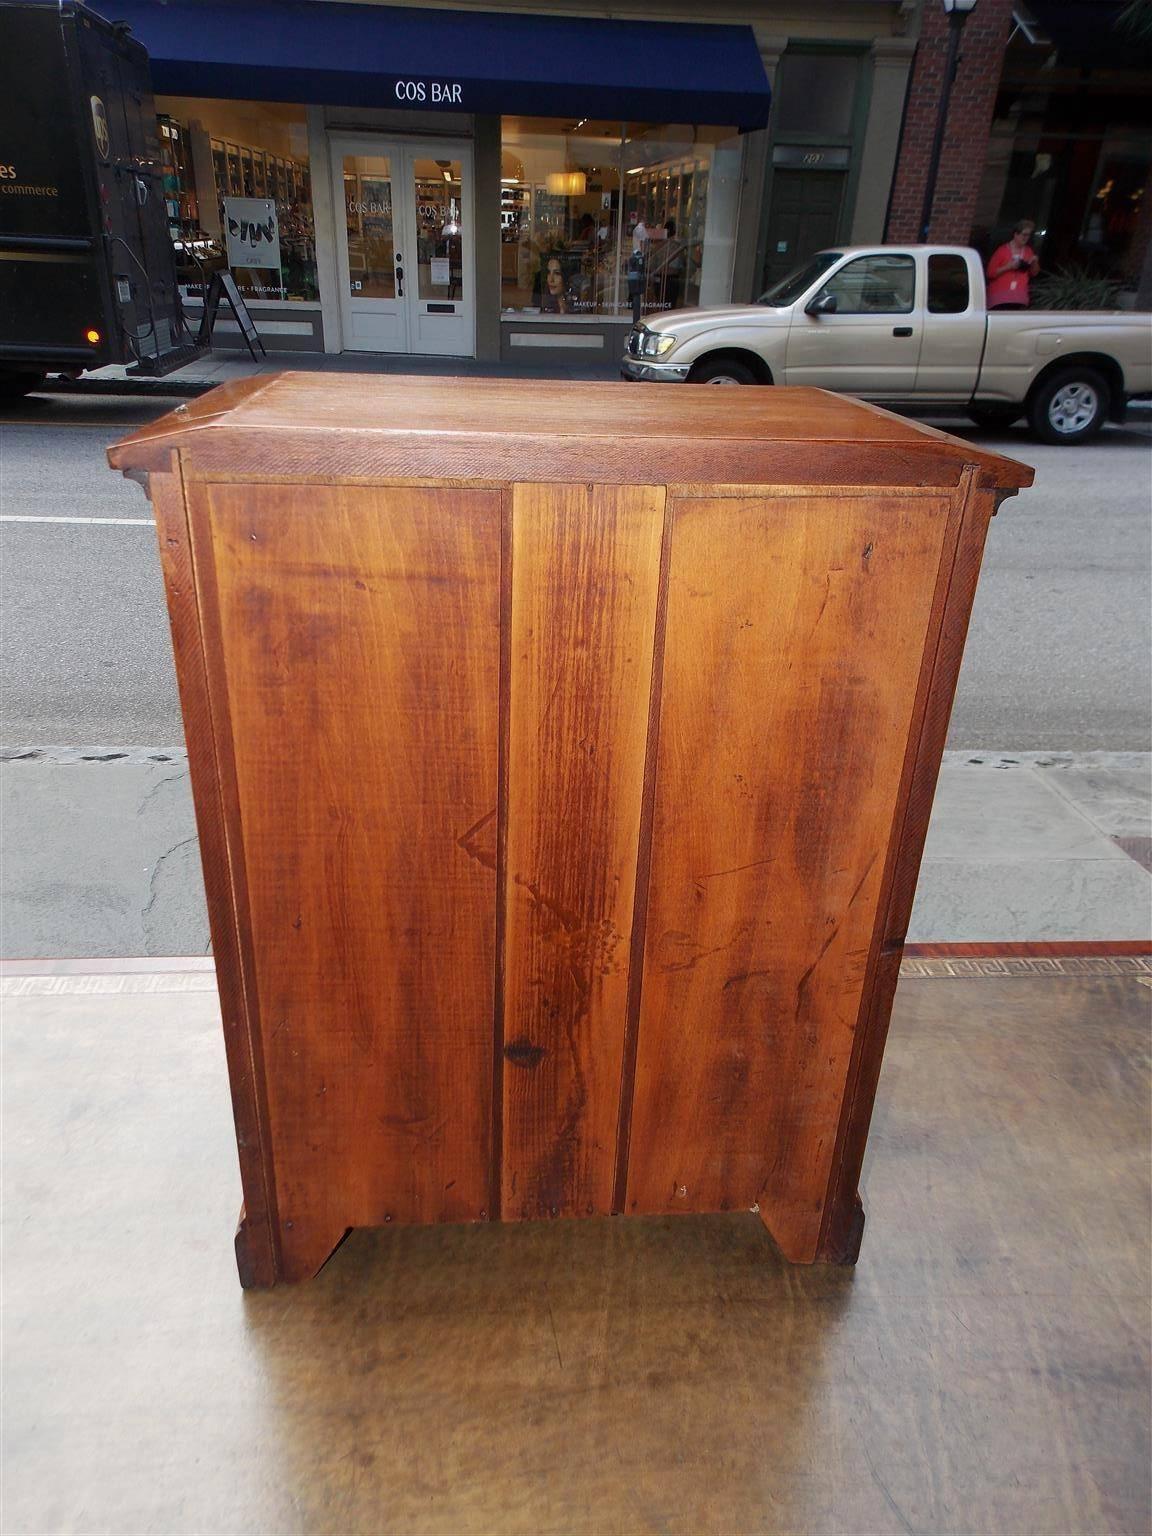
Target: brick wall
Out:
[969,121]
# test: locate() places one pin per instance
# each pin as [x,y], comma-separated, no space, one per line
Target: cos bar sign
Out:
[438,92]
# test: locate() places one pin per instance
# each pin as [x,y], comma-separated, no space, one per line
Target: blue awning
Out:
[463,61]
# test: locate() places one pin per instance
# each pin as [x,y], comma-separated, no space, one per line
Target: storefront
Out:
[1071,145]
[387,179]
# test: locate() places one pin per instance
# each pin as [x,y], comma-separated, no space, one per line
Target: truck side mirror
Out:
[822,304]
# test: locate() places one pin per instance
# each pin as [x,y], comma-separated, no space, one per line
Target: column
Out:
[891,62]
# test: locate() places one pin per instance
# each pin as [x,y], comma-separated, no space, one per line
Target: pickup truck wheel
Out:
[1069,407]
[722,370]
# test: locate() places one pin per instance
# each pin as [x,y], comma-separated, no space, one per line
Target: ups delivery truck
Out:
[87,267]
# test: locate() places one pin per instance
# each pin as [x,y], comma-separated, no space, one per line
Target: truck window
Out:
[789,288]
[883,284]
[947,285]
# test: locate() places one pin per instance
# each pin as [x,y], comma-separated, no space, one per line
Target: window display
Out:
[593,214]
[237,182]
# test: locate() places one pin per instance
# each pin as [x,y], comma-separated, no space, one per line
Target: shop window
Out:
[239,194]
[1076,162]
[1112,217]
[947,285]
[594,213]
[874,285]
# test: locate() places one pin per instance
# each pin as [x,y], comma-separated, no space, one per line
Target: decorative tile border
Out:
[923,968]
[107,986]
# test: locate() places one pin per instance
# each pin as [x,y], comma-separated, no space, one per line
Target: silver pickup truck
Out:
[910,327]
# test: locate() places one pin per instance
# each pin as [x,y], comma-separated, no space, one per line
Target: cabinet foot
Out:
[838,1243]
[841,1240]
[305,1249]
[303,1253]
[255,1258]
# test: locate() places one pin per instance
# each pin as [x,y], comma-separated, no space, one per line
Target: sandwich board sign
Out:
[223,286]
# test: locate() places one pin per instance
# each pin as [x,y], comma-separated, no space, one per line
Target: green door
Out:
[803,217]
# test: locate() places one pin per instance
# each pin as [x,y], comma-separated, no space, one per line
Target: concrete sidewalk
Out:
[100,855]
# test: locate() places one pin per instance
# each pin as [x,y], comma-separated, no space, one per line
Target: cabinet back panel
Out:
[585,580]
[795,633]
[359,637]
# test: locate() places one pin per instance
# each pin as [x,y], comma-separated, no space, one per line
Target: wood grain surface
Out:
[323,427]
[792,651]
[585,569]
[955,589]
[359,646]
[257,1237]
[562,762]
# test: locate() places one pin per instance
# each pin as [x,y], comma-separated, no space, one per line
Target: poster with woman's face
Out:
[563,281]
[554,288]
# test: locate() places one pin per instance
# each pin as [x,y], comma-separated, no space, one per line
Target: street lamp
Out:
[957,12]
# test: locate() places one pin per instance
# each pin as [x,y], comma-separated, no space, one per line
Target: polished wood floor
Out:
[984,1369]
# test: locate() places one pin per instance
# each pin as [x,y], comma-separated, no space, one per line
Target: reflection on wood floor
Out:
[984,1369]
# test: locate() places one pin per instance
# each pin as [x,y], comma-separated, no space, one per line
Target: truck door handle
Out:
[901,330]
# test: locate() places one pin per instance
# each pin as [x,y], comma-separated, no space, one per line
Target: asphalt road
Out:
[84,647]
[1058,652]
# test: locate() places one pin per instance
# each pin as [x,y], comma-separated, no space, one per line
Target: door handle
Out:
[399,278]
[901,330]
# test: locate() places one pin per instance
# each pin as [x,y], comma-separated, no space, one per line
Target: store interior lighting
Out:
[567,183]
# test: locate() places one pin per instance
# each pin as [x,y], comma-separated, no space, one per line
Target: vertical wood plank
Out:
[793,649]
[257,1237]
[357,660]
[956,590]
[496,1147]
[585,578]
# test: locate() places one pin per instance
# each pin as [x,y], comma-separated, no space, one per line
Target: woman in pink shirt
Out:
[1011,268]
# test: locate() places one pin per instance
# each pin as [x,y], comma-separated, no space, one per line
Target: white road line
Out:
[115,522]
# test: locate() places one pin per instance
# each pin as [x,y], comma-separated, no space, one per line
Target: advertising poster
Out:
[252,232]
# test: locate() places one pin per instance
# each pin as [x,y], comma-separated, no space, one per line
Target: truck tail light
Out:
[92,335]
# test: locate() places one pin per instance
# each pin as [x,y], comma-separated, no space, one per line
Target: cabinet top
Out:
[334,427]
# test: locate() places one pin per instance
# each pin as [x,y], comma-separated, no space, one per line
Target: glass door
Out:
[404,239]
[440,299]
[373,311]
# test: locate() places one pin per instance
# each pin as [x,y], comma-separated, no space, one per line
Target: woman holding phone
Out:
[1011,269]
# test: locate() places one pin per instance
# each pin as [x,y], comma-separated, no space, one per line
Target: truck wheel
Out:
[722,370]
[14,384]
[994,417]
[1069,407]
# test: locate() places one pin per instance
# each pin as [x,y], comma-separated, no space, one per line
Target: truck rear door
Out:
[55,303]
[954,322]
[116,78]
[870,344]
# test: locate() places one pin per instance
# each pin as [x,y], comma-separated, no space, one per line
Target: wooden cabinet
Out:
[563,756]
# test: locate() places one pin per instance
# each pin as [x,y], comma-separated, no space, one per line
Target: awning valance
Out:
[463,61]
